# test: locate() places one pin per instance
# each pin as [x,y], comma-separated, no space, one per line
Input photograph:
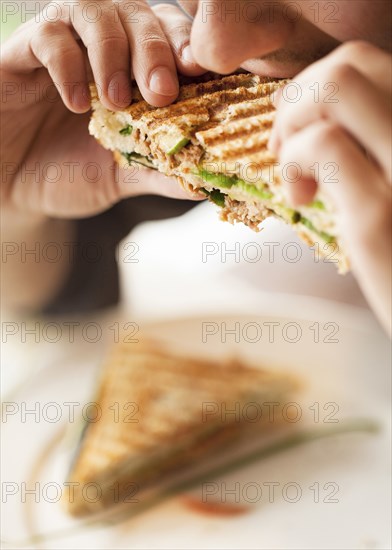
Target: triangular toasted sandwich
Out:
[213,139]
[157,413]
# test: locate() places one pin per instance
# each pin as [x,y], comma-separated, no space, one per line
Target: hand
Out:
[350,129]
[51,166]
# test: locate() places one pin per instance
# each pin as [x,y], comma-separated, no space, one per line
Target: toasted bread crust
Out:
[158,425]
[226,124]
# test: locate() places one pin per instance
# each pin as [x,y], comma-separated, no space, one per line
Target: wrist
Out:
[17,221]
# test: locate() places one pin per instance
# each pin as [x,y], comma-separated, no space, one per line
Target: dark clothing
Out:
[93,283]
[93,279]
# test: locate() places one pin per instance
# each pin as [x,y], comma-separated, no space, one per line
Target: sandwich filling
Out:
[213,139]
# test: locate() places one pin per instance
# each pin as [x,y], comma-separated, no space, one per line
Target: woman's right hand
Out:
[51,165]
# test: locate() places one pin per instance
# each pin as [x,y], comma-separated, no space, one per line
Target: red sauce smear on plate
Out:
[213,508]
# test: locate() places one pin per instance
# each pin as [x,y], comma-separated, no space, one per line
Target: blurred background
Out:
[187,271]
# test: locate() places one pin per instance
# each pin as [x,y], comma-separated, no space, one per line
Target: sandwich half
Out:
[159,413]
[213,139]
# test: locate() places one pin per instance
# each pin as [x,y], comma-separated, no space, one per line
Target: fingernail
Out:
[187,56]
[119,91]
[81,97]
[163,82]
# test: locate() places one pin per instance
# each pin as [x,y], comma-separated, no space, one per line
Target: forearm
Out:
[35,259]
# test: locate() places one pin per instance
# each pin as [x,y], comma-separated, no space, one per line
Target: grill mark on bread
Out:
[230,82]
[169,390]
[227,90]
[227,133]
[227,122]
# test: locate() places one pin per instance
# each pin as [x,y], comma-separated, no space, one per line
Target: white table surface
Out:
[171,281]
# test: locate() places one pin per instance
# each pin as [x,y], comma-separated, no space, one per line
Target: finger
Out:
[46,41]
[369,60]
[328,155]
[52,45]
[153,64]
[177,28]
[136,180]
[366,114]
[103,35]
[301,190]
[362,202]
[212,25]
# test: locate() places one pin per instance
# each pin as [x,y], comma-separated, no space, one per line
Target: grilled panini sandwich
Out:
[161,413]
[213,139]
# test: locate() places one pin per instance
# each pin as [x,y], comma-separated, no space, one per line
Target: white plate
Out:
[347,374]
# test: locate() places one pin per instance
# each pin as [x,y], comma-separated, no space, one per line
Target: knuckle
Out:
[49,52]
[342,73]
[183,30]
[47,29]
[354,48]
[106,42]
[326,135]
[165,9]
[152,42]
